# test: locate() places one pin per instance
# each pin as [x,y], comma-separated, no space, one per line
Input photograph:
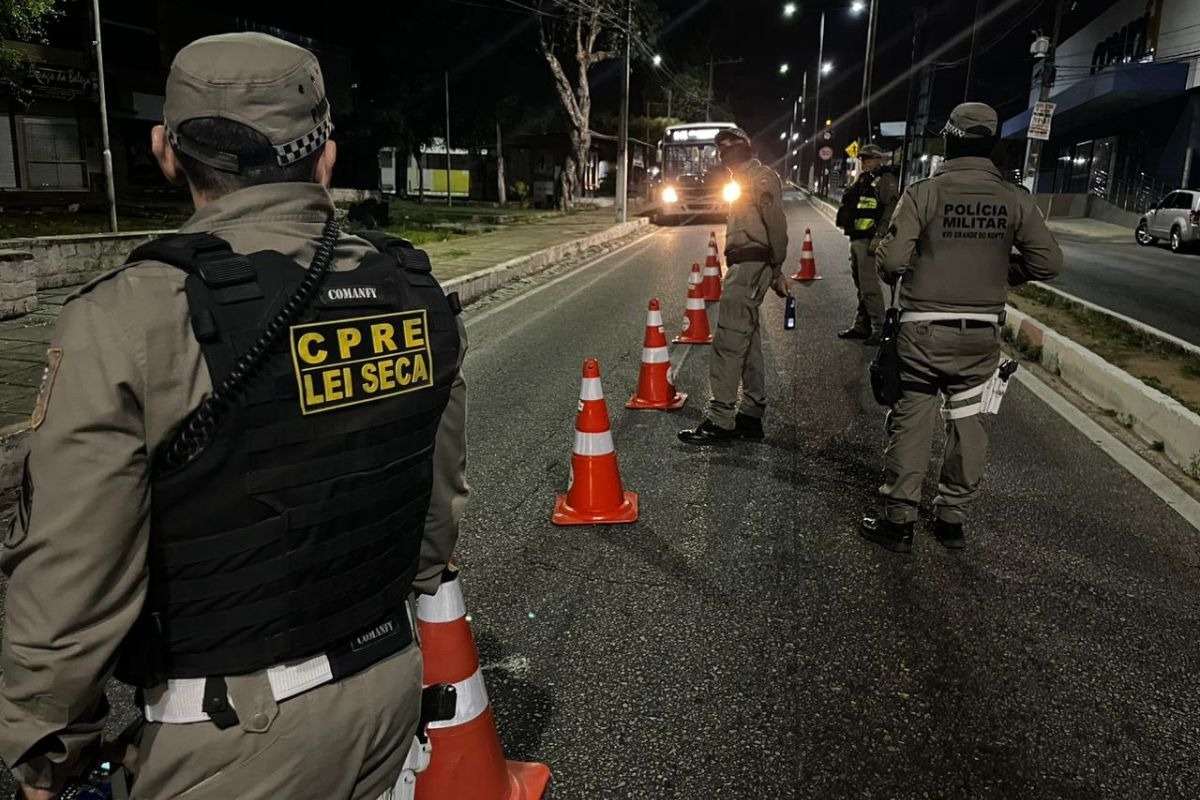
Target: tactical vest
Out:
[867,211]
[297,531]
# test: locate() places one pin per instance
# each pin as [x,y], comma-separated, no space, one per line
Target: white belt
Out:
[947,316]
[180,700]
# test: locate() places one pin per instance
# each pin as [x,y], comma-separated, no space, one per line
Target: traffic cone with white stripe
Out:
[655,389]
[711,285]
[595,495]
[467,762]
[695,320]
[808,264]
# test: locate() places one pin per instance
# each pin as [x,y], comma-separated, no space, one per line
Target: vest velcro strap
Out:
[222,269]
[205,548]
[216,703]
[310,429]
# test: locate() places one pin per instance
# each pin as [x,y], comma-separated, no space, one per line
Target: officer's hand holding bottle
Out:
[780,285]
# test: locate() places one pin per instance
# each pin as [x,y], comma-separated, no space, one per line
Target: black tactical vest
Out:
[297,530]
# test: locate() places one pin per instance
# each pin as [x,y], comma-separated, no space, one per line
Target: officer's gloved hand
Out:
[780,285]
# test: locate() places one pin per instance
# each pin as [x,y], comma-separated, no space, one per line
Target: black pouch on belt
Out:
[885,368]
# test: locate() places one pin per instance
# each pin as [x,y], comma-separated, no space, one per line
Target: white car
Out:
[1175,218]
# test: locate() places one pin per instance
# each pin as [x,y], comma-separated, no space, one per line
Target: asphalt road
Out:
[1149,284]
[741,641]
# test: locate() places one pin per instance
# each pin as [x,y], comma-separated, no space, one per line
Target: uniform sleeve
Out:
[449,497]
[889,195]
[774,217]
[1041,257]
[900,243]
[76,556]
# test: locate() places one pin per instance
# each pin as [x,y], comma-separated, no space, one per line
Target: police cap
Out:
[972,121]
[728,136]
[872,151]
[269,85]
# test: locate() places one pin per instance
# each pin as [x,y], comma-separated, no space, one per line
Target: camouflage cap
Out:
[972,121]
[872,151]
[260,81]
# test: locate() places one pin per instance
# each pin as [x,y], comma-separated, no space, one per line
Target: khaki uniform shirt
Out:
[130,370]
[757,219]
[952,235]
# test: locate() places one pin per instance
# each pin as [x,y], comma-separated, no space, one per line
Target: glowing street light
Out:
[827,68]
[789,10]
[657,60]
[857,7]
[783,69]
[783,136]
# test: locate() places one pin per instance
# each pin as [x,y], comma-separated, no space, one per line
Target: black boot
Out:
[872,341]
[950,534]
[708,433]
[748,427]
[895,536]
[855,333]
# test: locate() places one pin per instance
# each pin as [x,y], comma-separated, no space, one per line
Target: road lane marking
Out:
[477,318]
[1183,503]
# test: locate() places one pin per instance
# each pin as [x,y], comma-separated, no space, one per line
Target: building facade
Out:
[1126,88]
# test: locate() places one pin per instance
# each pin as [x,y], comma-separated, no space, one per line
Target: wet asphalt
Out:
[740,641]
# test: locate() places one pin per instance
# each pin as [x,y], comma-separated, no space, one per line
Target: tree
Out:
[589,32]
[24,21]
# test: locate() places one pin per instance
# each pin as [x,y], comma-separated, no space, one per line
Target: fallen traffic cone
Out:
[595,495]
[695,320]
[711,285]
[808,264]
[654,388]
[467,762]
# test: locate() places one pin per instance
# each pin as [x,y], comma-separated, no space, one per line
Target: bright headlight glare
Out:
[669,195]
[731,192]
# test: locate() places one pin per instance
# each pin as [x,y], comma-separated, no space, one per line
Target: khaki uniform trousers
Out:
[737,357]
[340,741]
[866,282]
[937,360]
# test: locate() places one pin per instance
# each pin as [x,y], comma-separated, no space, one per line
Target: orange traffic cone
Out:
[695,320]
[595,495]
[808,264]
[654,388]
[711,285]
[467,762]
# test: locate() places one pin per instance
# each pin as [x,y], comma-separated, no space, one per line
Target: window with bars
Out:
[51,154]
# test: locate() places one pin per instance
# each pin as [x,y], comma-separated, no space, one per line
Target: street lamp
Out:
[783,69]
[857,7]
[783,136]
[789,10]
[657,60]
[827,68]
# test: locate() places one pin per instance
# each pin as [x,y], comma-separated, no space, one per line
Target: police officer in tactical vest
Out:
[247,454]
[949,249]
[863,216]
[755,248]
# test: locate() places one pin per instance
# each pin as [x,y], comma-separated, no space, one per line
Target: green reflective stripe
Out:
[864,224]
[867,203]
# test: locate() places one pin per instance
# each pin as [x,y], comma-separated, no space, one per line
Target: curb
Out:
[1149,413]
[471,287]
[1182,344]
[14,439]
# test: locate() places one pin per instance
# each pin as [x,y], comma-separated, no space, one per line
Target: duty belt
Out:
[183,700]
[956,318]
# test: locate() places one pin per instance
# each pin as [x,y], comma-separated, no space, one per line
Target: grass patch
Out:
[16,224]
[1158,363]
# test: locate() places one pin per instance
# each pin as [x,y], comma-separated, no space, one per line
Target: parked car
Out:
[1175,218]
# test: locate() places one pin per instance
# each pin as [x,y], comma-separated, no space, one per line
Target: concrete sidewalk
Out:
[1092,230]
[23,341]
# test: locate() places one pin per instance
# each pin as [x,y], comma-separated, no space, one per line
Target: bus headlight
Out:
[731,192]
[669,195]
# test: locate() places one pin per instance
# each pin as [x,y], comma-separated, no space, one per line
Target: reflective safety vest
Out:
[867,210]
[297,530]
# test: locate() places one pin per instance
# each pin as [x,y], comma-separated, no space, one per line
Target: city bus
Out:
[691,182]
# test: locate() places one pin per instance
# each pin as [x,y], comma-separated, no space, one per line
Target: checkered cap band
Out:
[306,145]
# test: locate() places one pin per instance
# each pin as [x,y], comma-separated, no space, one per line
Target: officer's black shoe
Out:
[895,536]
[854,333]
[748,427]
[707,433]
[872,340]
[950,534]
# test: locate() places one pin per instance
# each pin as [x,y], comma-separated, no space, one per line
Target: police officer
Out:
[247,453]
[949,247]
[865,210]
[755,249]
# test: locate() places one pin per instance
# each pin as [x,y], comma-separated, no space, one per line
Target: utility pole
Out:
[669,97]
[711,64]
[501,180]
[622,199]
[107,150]
[1033,147]
[869,65]
[919,15]
[971,55]
[449,193]
[803,104]
[817,107]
